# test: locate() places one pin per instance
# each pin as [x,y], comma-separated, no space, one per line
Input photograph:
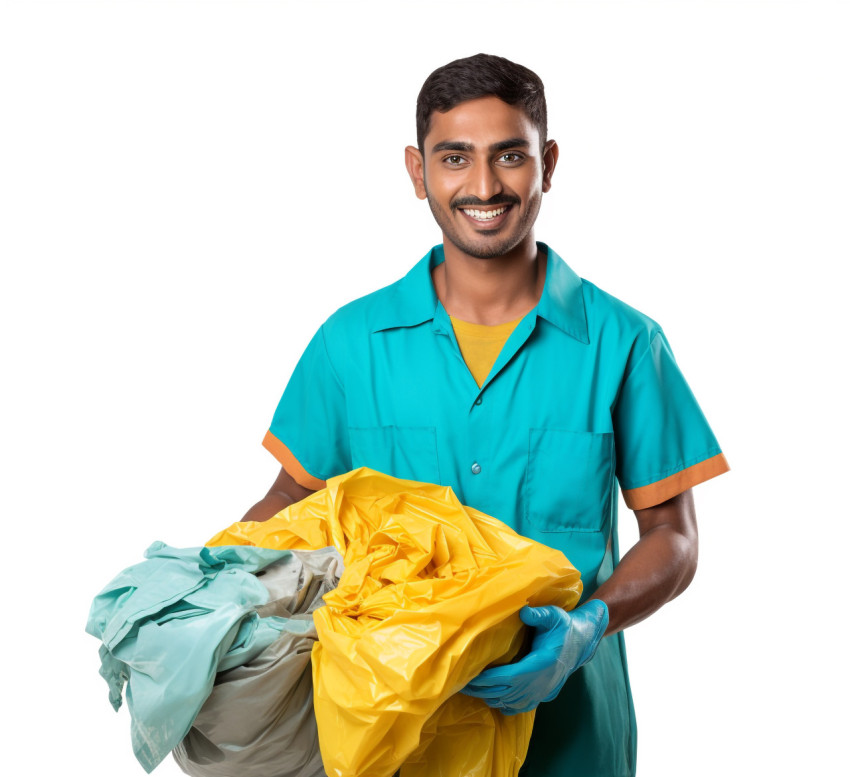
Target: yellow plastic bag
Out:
[429,598]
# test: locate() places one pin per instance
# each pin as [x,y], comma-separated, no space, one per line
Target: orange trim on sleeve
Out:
[291,464]
[662,490]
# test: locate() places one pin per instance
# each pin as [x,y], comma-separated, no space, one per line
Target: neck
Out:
[490,291]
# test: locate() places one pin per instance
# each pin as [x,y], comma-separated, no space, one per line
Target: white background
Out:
[188,190]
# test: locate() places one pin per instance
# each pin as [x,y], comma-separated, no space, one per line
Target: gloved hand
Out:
[563,641]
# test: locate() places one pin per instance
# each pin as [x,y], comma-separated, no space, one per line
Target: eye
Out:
[511,158]
[454,160]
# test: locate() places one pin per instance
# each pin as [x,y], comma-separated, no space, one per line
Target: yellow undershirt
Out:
[481,344]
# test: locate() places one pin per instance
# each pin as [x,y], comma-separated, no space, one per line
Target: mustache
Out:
[472,202]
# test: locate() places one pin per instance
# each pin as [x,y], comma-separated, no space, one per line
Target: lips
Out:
[489,217]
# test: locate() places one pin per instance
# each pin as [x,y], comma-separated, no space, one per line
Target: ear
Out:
[416,170]
[550,159]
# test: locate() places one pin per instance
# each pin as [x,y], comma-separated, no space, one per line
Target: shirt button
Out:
[476,468]
[478,401]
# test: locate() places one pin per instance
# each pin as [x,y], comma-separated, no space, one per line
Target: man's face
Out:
[483,175]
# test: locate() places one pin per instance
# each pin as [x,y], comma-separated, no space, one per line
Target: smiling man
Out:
[493,368]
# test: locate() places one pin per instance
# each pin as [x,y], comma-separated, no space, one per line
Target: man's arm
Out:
[658,568]
[284,492]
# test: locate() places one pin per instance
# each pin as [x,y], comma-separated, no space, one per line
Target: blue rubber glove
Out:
[563,641]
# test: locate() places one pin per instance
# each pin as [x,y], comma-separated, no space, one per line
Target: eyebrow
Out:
[457,145]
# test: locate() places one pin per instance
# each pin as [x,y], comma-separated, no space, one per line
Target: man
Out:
[493,368]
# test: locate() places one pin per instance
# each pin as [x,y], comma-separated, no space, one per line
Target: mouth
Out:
[490,216]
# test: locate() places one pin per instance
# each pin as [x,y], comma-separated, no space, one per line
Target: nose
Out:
[484,181]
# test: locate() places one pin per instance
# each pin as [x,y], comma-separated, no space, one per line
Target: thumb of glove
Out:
[531,616]
[545,618]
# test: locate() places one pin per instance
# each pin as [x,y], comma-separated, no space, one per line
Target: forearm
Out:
[657,569]
[271,504]
[284,492]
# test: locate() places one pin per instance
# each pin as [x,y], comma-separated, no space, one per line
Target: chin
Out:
[490,248]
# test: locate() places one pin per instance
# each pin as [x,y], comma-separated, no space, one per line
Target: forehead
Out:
[481,122]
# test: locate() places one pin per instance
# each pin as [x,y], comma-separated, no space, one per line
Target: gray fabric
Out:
[258,721]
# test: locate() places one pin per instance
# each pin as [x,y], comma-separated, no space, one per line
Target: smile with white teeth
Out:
[484,215]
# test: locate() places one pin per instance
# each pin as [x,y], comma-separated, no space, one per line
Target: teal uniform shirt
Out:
[585,393]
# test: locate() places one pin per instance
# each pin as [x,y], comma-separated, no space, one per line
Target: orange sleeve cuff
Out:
[667,488]
[291,464]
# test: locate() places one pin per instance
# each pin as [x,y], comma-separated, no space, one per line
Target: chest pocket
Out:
[408,452]
[569,479]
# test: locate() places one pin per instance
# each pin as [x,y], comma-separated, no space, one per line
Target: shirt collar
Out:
[414,300]
[562,301]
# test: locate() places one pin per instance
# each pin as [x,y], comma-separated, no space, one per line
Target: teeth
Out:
[484,215]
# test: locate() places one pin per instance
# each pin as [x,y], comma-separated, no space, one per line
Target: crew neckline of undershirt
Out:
[484,331]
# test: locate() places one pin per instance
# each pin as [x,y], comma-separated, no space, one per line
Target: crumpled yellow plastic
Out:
[429,598]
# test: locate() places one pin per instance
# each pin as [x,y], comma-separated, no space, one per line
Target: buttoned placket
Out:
[480,424]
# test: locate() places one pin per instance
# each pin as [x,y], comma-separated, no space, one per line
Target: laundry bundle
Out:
[428,599]
[187,623]
[423,595]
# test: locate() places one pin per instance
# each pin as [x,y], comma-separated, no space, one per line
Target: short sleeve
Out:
[664,444]
[309,431]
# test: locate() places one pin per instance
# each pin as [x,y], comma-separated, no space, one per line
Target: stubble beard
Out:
[492,248]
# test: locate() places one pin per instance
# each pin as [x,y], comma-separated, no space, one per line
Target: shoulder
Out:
[608,315]
[359,317]
[407,302]
[621,332]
